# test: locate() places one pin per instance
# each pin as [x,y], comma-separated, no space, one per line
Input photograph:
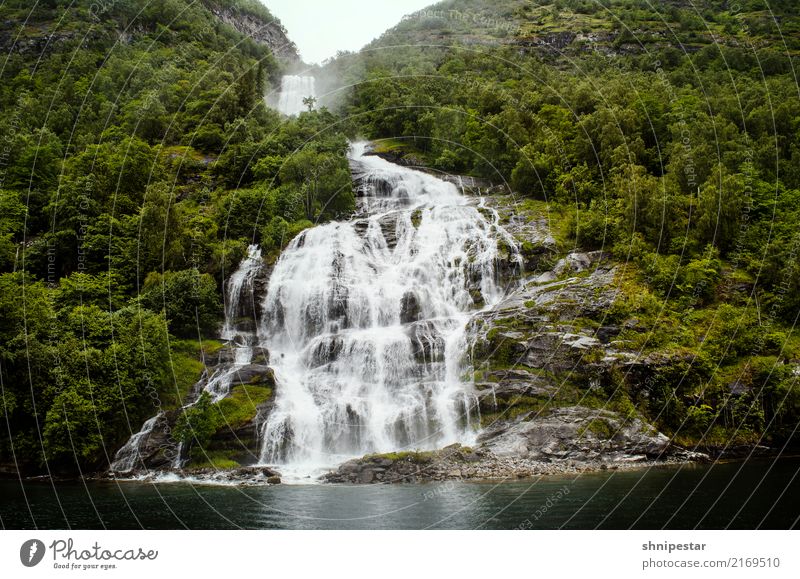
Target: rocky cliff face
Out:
[269,33]
[41,37]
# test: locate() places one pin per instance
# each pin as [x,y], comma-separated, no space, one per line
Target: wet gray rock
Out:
[607,333]
[269,33]
[542,324]
[225,355]
[254,374]
[577,262]
[409,308]
[260,356]
[387,224]
[158,450]
[260,285]
[576,433]
[536,243]
[255,475]
[554,42]
[426,341]
[503,388]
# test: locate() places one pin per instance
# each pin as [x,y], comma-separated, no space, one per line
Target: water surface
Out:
[756,494]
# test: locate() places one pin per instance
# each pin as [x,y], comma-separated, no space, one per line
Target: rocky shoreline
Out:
[453,463]
[457,462]
[484,467]
[241,476]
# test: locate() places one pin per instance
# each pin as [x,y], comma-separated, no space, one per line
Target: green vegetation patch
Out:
[241,406]
[415,456]
[217,460]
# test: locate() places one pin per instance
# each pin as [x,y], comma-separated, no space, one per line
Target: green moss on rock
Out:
[241,406]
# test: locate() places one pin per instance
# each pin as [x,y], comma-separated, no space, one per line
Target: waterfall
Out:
[239,330]
[294,89]
[239,285]
[365,321]
[127,457]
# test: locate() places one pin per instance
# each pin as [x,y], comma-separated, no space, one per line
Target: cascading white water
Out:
[239,304]
[240,285]
[365,322]
[242,341]
[294,89]
[127,457]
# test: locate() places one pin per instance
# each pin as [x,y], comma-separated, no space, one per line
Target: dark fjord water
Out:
[755,494]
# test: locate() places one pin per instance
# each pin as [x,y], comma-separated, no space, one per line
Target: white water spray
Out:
[239,304]
[127,457]
[293,90]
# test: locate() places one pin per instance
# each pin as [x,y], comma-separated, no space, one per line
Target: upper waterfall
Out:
[294,89]
[365,321]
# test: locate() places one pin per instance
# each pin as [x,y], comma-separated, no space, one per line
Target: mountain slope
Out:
[661,135]
[138,162]
[574,26]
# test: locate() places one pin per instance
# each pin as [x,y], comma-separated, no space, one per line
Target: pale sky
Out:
[321,27]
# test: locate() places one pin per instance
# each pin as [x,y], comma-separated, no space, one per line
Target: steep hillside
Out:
[572,27]
[658,144]
[138,162]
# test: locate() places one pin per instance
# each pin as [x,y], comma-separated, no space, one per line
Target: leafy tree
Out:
[720,206]
[309,102]
[197,423]
[323,180]
[189,299]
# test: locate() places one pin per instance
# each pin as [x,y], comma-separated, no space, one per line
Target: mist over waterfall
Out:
[294,88]
[365,321]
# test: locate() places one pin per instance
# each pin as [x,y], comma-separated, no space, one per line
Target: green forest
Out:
[139,159]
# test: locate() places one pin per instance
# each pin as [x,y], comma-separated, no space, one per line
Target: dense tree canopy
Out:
[139,160]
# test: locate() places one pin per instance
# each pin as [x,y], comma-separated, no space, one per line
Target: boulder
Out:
[260,356]
[409,308]
[577,433]
[254,374]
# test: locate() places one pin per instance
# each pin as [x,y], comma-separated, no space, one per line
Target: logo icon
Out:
[31,553]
